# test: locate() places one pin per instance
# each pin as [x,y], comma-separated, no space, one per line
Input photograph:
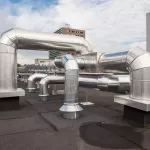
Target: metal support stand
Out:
[54,92]
[87,103]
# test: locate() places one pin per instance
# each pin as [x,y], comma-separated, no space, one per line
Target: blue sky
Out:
[111,25]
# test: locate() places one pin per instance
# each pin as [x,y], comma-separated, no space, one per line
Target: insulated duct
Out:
[137,62]
[110,83]
[14,39]
[53,79]
[32,81]
[70,109]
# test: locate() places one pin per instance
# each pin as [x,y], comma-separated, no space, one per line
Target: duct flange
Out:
[71,111]
[43,97]
[70,108]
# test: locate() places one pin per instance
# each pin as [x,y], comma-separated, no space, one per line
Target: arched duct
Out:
[32,81]
[53,79]
[14,39]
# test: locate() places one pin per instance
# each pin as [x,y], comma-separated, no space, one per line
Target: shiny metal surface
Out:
[113,62]
[32,79]
[71,111]
[117,84]
[124,83]
[14,39]
[23,39]
[110,83]
[71,86]
[86,62]
[53,79]
[8,66]
[137,62]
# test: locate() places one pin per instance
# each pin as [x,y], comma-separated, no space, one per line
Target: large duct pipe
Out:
[84,61]
[110,83]
[137,62]
[70,109]
[117,83]
[14,39]
[32,80]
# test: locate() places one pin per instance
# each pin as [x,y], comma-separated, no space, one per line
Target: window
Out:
[73,31]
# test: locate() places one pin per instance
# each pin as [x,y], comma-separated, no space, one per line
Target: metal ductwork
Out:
[137,62]
[85,61]
[70,109]
[14,39]
[110,83]
[32,81]
[53,79]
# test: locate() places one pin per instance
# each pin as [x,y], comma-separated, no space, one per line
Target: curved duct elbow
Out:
[70,108]
[46,81]
[9,38]
[137,62]
[23,39]
[32,80]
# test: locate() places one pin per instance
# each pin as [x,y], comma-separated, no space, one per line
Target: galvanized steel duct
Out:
[14,39]
[110,83]
[32,80]
[84,61]
[53,79]
[137,62]
[70,109]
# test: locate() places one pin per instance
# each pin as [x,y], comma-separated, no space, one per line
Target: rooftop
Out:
[39,126]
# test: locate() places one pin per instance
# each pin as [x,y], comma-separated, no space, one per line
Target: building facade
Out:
[42,61]
[69,31]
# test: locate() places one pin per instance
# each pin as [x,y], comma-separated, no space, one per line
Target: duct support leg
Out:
[9,103]
[135,111]
[136,116]
[87,103]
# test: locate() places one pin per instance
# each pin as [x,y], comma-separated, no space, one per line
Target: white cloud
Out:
[29,58]
[138,44]
[109,23]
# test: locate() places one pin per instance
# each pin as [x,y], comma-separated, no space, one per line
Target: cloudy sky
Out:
[111,25]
